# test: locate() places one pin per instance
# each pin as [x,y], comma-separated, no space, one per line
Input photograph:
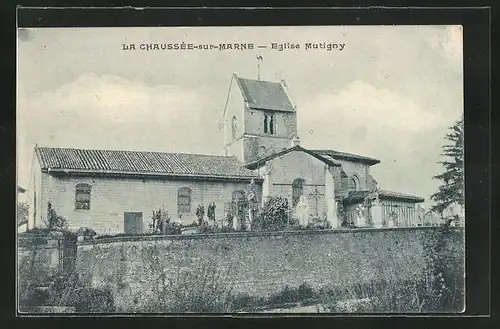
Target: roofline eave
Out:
[255,164]
[83,172]
[352,157]
[253,106]
[414,199]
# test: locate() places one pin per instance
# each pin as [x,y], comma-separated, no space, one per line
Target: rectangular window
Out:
[82,197]
[184,200]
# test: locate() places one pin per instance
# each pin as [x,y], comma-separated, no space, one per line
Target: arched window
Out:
[269,124]
[184,200]
[238,199]
[82,196]
[238,196]
[234,127]
[354,183]
[297,190]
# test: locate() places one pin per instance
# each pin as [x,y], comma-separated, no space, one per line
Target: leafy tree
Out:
[450,193]
[22,212]
[54,221]
[274,215]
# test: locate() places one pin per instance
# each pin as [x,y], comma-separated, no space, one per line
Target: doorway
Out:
[133,222]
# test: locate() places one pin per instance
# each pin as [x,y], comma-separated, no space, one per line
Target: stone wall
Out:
[47,252]
[255,263]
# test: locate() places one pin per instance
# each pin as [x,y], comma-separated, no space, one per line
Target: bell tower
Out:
[259,119]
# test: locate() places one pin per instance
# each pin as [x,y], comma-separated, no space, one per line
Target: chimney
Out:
[296,141]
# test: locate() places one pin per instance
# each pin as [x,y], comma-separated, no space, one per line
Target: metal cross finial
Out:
[259,59]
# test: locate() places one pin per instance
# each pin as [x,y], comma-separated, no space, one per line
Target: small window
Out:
[184,200]
[82,196]
[269,124]
[353,183]
[234,126]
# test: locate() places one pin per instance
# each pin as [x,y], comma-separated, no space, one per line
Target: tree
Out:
[22,212]
[274,215]
[450,193]
[54,221]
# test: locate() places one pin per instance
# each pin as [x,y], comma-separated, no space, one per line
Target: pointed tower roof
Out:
[265,95]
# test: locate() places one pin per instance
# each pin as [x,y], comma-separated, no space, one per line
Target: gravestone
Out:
[302,211]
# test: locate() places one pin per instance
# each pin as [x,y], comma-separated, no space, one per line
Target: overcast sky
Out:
[390,93]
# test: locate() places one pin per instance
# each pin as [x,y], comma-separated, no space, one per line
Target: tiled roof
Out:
[255,164]
[396,195]
[265,95]
[139,162]
[347,156]
[355,196]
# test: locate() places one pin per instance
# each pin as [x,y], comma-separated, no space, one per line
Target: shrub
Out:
[66,289]
[206,229]
[86,231]
[91,300]
[439,290]
[274,215]
[55,221]
[204,289]
[22,212]
[33,273]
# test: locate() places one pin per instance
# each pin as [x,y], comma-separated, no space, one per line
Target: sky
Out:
[390,93]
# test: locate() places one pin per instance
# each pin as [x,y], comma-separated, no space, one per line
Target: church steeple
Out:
[266,116]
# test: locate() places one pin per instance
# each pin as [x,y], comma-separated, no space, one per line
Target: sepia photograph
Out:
[240,170]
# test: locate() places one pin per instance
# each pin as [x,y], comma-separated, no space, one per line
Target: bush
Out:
[22,213]
[205,229]
[33,273]
[55,221]
[67,290]
[39,286]
[440,290]
[91,300]
[204,289]
[274,215]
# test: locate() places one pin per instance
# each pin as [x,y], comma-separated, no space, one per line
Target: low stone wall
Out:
[255,263]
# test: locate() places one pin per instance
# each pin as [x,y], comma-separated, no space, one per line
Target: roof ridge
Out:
[256,80]
[268,95]
[288,150]
[136,151]
[119,161]
[333,153]
[334,150]
[391,191]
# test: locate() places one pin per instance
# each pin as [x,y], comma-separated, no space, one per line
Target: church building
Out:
[114,191]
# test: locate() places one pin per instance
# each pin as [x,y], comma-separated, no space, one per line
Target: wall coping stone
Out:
[155,237]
